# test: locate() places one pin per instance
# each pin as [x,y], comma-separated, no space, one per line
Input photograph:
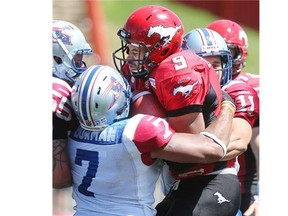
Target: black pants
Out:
[210,195]
[247,198]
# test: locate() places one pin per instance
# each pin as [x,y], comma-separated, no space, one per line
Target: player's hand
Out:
[253,210]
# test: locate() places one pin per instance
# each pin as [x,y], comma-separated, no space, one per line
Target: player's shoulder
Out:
[240,87]
[179,66]
[246,77]
[250,75]
[144,121]
[188,55]
[138,123]
[148,128]
[58,83]
[145,102]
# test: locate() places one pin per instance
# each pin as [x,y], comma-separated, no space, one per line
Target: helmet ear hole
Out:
[121,110]
[58,60]
[103,97]
[69,47]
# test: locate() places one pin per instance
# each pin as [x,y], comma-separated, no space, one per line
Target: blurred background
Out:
[100,21]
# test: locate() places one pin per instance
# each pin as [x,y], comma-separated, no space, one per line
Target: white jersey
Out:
[113,173]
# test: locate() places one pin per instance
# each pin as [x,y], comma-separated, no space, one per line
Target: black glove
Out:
[227,97]
[228,101]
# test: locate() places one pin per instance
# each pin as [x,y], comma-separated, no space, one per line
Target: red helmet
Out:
[235,38]
[157,29]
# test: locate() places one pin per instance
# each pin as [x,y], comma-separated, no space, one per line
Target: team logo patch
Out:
[164,32]
[185,90]
[117,89]
[63,34]
[220,198]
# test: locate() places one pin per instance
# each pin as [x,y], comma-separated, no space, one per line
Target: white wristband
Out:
[217,140]
[140,94]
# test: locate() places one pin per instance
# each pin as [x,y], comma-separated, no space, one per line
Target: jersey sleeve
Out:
[149,133]
[182,81]
[246,100]
[61,99]
[251,79]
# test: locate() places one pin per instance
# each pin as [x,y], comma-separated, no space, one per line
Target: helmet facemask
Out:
[238,63]
[225,72]
[69,50]
[141,66]
[226,61]
[71,64]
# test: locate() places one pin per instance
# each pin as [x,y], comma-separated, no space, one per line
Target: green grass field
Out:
[116,13]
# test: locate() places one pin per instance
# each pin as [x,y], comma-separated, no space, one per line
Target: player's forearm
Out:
[240,138]
[221,127]
[191,148]
[237,145]
[61,166]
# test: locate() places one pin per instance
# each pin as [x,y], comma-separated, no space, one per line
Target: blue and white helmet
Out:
[206,42]
[69,49]
[100,97]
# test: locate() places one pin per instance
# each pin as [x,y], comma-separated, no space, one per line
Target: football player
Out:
[115,160]
[237,41]
[188,89]
[212,47]
[69,51]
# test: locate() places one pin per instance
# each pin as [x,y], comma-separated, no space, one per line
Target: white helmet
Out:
[69,48]
[100,97]
[206,42]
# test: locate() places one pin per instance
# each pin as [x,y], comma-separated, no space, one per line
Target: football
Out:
[146,103]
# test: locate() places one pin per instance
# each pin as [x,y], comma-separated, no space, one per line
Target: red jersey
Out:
[61,99]
[62,111]
[248,169]
[186,83]
[251,79]
[246,100]
[247,107]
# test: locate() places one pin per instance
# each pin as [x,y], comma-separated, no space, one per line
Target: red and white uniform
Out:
[248,168]
[246,100]
[186,83]
[62,111]
[112,170]
[61,93]
[251,79]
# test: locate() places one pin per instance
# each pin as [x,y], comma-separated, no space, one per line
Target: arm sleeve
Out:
[149,134]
